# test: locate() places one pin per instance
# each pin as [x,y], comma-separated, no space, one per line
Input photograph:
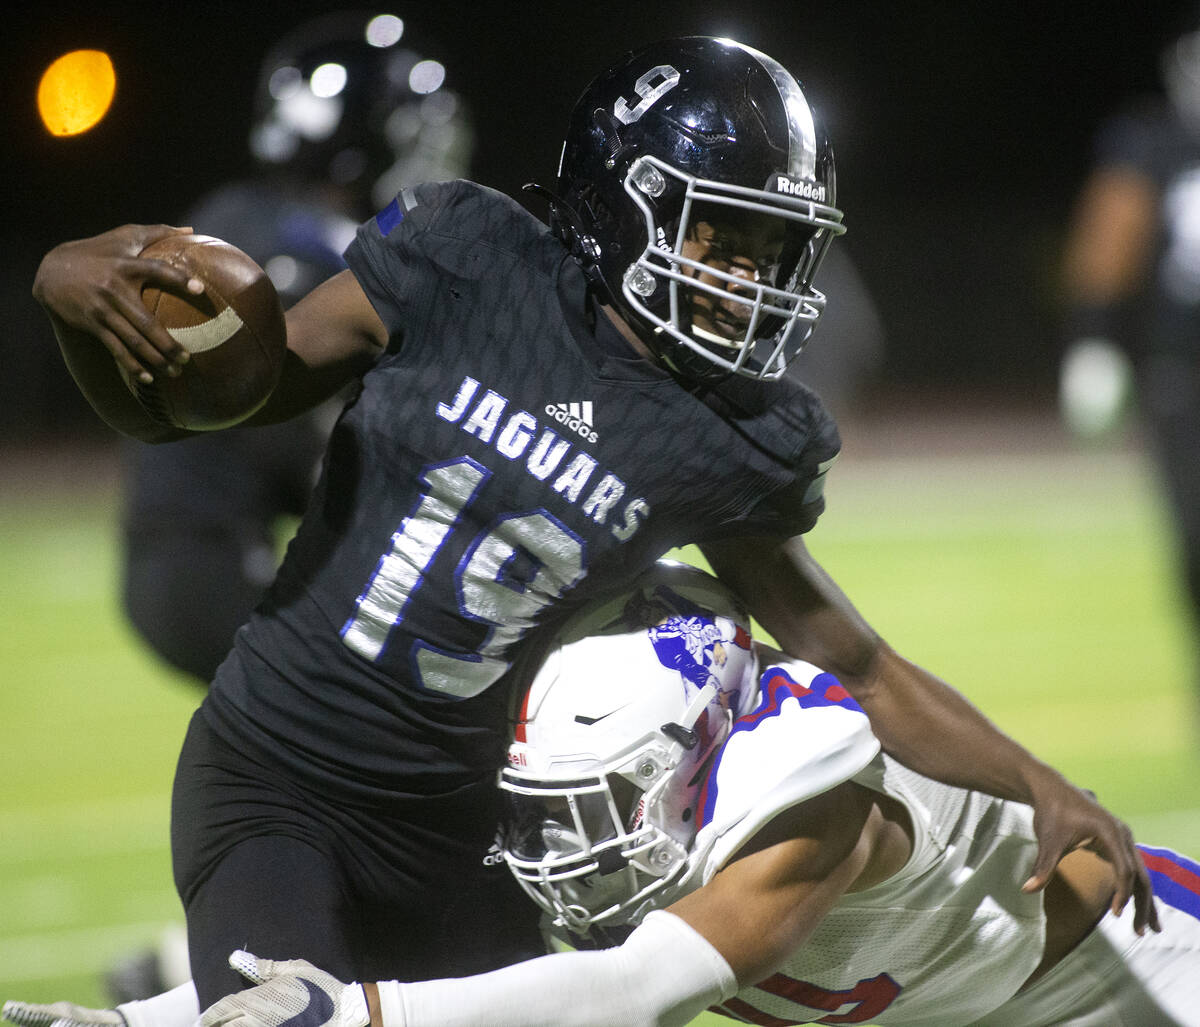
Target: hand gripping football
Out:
[234,332]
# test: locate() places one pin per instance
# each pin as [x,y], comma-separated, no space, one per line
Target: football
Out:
[234,332]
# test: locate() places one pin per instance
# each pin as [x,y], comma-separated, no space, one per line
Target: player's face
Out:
[558,825]
[746,246]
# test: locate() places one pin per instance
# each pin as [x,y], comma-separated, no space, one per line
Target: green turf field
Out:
[1040,587]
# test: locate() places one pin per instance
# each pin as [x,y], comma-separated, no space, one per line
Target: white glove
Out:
[291,991]
[60,1014]
[1095,387]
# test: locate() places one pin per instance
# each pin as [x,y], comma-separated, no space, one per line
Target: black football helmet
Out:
[694,130]
[342,99]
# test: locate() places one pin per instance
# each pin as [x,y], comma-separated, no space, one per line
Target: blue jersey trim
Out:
[389,217]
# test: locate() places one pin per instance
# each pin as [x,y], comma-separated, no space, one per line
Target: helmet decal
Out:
[697,647]
[653,84]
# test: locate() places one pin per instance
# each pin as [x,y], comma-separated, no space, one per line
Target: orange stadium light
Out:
[76,91]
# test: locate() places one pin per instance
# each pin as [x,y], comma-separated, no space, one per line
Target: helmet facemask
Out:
[743,310]
[592,850]
[584,850]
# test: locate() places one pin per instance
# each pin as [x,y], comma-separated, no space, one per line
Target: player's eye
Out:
[721,248]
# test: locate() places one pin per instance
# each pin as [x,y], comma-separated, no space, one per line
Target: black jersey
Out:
[504,459]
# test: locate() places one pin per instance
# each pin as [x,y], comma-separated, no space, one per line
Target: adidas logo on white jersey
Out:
[576,416]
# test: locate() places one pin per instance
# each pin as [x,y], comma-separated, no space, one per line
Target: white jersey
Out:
[944,941]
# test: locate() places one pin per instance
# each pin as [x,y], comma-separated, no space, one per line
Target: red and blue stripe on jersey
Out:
[1176,878]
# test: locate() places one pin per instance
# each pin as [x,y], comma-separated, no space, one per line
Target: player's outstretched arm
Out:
[919,719]
[91,290]
[665,973]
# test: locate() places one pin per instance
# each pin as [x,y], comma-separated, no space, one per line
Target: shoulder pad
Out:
[805,736]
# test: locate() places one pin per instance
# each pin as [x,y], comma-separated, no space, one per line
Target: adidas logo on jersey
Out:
[576,416]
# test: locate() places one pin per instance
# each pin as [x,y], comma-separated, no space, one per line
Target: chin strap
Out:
[568,226]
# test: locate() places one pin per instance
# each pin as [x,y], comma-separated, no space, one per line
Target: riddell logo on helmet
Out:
[804,188]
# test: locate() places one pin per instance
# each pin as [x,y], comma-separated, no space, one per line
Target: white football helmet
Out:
[613,742]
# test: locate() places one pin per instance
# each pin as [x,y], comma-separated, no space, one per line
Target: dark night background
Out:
[962,131]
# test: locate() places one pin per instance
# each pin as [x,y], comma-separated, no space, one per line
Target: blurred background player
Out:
[1132,285]
[344,112]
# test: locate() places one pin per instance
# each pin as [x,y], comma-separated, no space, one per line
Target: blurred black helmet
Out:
[695,130]
[343,99]
[1180,67]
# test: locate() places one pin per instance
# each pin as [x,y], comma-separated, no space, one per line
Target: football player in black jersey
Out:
[1132,285]
[201,517]
[539,414]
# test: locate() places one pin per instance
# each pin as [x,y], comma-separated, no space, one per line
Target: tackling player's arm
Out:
[91,290]
[767,901]
[919,719]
